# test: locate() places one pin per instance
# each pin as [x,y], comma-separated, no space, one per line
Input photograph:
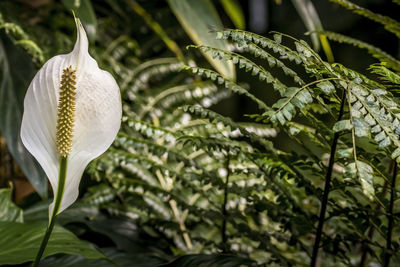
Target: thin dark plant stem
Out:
[327,188]
[388,253]
[57,204]
[224,209]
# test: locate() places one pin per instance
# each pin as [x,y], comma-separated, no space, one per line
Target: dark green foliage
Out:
[389,60]
[184,185]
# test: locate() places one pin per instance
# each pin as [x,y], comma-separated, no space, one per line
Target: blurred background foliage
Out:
[200,185]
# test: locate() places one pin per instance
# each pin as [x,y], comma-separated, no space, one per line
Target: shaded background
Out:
[262,16]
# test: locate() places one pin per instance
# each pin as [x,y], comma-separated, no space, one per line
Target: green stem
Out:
[58,197]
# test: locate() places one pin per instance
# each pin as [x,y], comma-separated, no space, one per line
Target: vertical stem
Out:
[327,187]
[388,254]
[224,210]
[58,198]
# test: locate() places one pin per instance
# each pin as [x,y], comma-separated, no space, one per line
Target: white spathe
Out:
[97,116]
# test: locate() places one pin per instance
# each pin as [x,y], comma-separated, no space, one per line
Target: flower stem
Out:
[58,197]
[327,188]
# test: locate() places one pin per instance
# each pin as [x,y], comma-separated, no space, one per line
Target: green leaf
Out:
[77,212]
[203,260]
[9,211]
[124,233]
[198,18]
[234,11]
[84,11]
[361,127]
[366,178]
[342,125]
[344,153]
[364,173]
[396,154]
[16,71]
[327,87]
[20,242]
[118,257]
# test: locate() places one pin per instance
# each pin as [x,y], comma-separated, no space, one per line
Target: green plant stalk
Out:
[388,254]
[326,48]
[327,188]
[60,192]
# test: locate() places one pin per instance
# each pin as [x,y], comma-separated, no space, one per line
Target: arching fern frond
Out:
[173,96]
[374,112]
[20,38]
[303,54]
[385,74]
[127,142]
[217,118]
[149,130]
[374,51]
[214,76]
[349,74]
[272,61]
[140,76]
[246,64]
[390,24]
[285,108]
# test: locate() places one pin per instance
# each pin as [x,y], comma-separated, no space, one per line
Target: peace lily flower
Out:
[72,113]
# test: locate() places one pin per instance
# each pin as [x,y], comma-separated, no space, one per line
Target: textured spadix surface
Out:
[97,116]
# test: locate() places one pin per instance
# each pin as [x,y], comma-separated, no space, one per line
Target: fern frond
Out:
[390,24]
[99,194]
[20,38]
[215,117]
[349,74]
[242,38]
[127,142]
[385,74]
[272,61]
[374,112]
[374,51]
[167,99]
[213,144]
[245,63]
[141,75]
[285,108]
[150,130]
[303,54]
[214,76]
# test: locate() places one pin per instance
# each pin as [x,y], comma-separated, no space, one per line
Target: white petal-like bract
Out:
[97,117]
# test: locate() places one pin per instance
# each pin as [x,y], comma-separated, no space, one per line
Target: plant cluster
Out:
[182,179]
